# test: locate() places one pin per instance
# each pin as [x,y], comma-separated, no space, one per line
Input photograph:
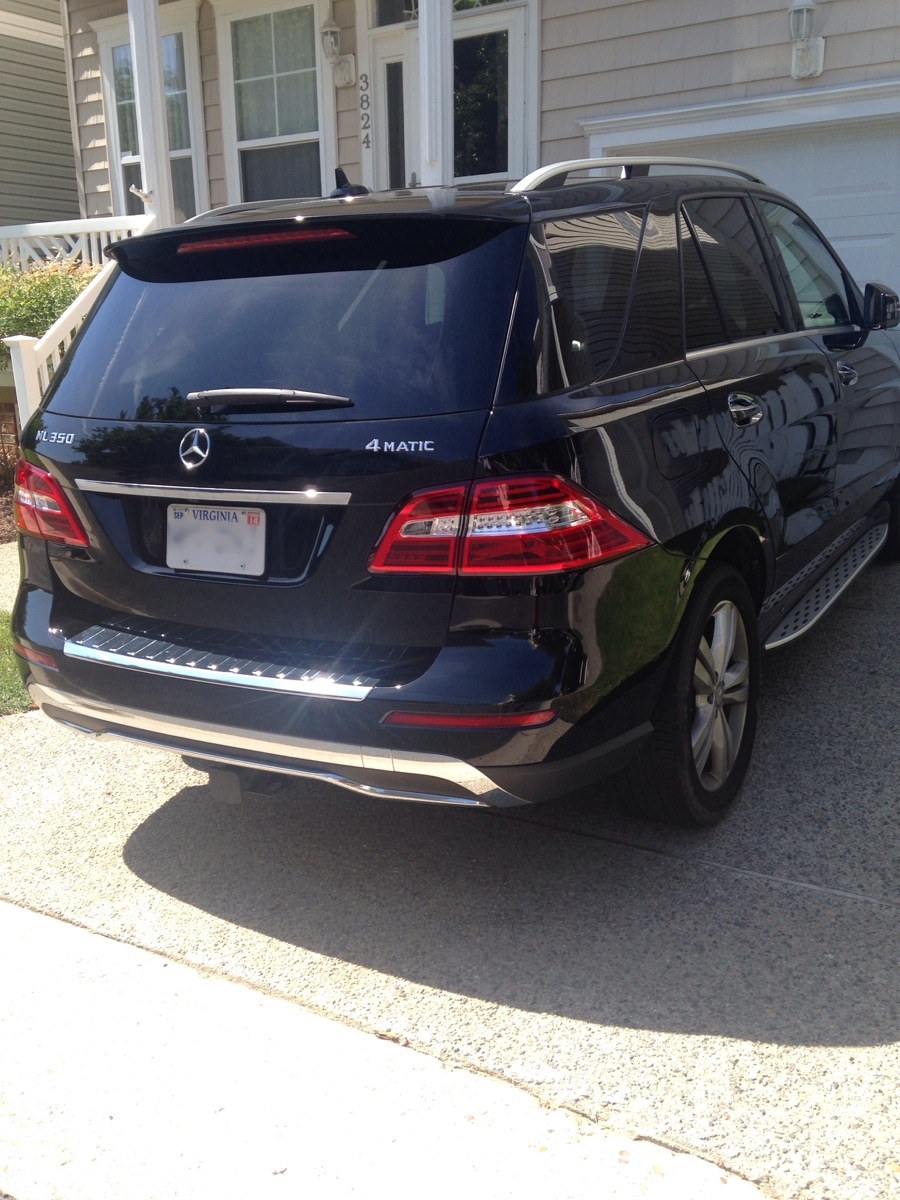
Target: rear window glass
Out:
[403,317]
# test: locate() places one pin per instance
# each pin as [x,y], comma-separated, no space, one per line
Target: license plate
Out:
[227,541]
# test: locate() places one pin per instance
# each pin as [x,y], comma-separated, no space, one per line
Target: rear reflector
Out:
[281,237]
[420,720]
[519,525]
[35,656]
[41,509]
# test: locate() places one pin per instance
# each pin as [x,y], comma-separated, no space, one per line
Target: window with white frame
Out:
[183,112]
[272,98]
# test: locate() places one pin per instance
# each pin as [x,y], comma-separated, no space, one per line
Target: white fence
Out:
[34,360]
[49,241]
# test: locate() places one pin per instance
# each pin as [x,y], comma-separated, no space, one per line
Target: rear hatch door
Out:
[246,407]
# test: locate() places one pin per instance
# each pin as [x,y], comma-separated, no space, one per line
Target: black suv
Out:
[458,495]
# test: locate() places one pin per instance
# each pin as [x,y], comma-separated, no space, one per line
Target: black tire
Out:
[705,721]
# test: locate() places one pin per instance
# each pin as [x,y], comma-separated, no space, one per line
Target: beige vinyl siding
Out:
[37,161]
[37,10]
[89,103]
[599,59]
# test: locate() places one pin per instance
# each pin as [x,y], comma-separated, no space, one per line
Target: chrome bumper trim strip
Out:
[201,495]
[325,688]
[299,756]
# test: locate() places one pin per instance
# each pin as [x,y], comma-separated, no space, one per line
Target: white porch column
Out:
[150,95]
[436,90]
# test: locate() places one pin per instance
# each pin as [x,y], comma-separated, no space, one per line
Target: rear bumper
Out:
[369,770]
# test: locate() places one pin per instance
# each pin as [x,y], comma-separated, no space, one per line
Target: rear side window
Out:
[404,317]
[593,260]
[734,268]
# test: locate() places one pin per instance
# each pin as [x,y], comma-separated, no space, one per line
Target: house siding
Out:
[89,105]
[37,180]
[599,59]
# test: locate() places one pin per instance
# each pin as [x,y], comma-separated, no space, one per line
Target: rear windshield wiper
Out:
[263,396]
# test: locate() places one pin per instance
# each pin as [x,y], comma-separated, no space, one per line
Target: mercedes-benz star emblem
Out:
[194,448]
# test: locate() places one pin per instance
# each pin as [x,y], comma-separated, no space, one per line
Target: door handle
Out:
[846,373]
[745,410]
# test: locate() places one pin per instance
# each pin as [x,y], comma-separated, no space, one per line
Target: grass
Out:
[13,697]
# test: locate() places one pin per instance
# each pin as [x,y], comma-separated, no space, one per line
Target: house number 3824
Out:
[365,111]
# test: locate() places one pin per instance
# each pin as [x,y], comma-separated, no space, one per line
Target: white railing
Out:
[50,241]
[35,360]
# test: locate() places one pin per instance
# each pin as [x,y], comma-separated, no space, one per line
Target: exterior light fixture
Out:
[343,66]
[807,52]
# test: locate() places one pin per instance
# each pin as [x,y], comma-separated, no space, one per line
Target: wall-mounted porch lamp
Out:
[343,66]
[807,52]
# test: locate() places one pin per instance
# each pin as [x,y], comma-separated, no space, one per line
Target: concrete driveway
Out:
[734,993]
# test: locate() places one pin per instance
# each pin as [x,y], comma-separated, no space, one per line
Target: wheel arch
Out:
[741,548]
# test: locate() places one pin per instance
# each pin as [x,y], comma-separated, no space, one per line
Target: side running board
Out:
[828,587]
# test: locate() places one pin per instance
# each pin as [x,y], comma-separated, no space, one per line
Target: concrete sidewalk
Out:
[125,1076]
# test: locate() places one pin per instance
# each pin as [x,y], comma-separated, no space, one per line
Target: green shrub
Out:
[31,300]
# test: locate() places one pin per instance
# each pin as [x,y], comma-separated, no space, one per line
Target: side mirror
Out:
[882,307]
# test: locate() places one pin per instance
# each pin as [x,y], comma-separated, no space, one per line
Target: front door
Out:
[486,115]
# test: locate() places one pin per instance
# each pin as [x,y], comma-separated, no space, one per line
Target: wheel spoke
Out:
[725,618]
[723,751]
[704,670]
[721,686]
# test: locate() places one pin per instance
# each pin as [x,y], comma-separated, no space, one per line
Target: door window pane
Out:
[736,266]
[393,82]
[481,104]
[815,274]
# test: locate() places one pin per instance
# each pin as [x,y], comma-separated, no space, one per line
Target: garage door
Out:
[846,177]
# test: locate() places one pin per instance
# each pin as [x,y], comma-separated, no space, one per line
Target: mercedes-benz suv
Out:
[470,496]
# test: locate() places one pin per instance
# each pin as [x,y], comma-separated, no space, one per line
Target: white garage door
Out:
[846,177]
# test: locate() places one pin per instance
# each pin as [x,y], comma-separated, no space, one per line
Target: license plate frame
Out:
[216,539]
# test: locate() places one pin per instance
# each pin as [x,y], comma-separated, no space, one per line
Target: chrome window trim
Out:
[212,495]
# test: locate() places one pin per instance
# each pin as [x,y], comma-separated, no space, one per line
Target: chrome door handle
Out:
[745,410]
[846,373]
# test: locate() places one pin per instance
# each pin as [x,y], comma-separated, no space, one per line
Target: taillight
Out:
[519,525]
[41,509]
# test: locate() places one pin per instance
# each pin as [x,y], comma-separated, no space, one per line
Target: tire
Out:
[705,720]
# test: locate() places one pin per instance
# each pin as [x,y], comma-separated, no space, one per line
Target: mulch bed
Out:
[7,527]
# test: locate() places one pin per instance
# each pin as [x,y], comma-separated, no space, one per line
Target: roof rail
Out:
[556,173]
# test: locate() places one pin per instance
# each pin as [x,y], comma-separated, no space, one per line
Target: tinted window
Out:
[653,333]
[704,324]
[594,260]
[736,267]
[404,317]
[816,277]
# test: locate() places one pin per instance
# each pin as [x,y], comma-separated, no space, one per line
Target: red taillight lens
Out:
[41,509]
[475,721]
[521,525]
[423,534]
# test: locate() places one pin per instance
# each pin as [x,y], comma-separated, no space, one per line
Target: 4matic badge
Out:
[399,447]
